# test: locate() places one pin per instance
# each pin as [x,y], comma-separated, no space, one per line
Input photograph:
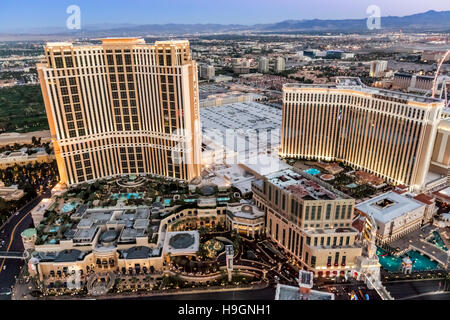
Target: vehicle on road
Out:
[4,267]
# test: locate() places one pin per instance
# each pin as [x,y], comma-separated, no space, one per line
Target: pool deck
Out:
[416,240]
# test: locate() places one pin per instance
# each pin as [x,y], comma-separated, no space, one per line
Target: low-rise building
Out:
[395,215]
[10,193]
[246,219]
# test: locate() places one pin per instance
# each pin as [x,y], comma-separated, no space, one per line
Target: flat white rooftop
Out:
[245,127]
[388,206]
[284,292]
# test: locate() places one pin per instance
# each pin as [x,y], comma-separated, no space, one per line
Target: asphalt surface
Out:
[10,268]
[417,290]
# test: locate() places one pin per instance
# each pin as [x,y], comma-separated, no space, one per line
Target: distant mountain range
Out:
[427,21]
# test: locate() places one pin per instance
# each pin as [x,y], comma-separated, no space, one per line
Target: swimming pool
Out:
[392,263]
[69,207]
[223,199]
[437,241]
[54,229]
[312,171]
[190,200]
[126,196]
[420,262]
[351,185]
[166,202]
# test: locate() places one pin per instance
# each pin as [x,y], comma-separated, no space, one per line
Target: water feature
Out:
[312,171]
[69,207]
[126,196]
[393,264]
[437,241]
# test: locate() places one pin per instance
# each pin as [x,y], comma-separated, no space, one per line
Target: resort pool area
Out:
[223,199]
[167,202]
[54,229]
[392,263]
[126,196]
[312,171]
[388,262]
[190,200]
[437,241]
[351,185]
[421,263]
[68,207]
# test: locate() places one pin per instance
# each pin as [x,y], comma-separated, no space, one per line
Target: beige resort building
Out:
[309,220]
[122,107]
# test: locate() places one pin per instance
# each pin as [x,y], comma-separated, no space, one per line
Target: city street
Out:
[417,289]
[10,233]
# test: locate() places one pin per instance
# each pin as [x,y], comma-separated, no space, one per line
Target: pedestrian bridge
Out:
[14,255]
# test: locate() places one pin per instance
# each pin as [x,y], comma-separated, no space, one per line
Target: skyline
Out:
[250,12]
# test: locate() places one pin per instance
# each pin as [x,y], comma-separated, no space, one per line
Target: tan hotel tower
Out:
[122,107]
[387,133]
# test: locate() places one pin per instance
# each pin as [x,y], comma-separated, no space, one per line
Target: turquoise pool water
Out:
[312,171]
[223,199]
[392,263]
[437,241]
[52,241]
[126,196]
[190,200]
[69,207]
[351,185]
[167,202]
[54,229]
[421,263]
[388,262]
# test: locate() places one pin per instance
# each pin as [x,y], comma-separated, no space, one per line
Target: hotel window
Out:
[319,213]
[341,239]
[308,240]
[328,241]
[338,208]
[315,241]
[349,212]
[343,212]
[322,241]
[334,241]
[347,241]
[307,213]
[313,261]
[328,212]
[336,258]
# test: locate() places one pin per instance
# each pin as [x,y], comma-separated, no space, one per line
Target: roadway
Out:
[417,289]
[10,233]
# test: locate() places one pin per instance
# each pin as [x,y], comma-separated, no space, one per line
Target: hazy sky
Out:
[18,14]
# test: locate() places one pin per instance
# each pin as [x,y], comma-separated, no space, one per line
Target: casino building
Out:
[309,220]
[122,107]
[390,134]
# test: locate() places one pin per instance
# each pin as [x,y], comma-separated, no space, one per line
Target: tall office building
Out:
[263,65]
[280,64]
[122,107]
[387,133]
[207,72]
[377,68]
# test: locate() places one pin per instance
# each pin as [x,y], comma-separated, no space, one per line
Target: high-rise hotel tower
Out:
[387,133]
[122,107]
